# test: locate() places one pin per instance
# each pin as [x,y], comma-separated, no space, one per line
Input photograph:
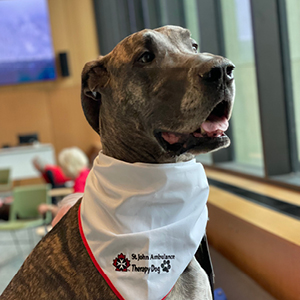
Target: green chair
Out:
[23,213]
[5,180]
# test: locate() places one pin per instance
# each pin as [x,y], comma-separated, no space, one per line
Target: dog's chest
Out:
[61,268]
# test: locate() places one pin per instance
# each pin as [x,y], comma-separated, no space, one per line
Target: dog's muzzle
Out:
[212,129]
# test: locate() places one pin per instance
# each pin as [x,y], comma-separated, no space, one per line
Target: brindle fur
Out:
[125,102]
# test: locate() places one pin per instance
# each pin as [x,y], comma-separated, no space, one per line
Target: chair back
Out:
[5,180]
[26,200]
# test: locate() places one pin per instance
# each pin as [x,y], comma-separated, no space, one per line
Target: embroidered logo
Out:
[121,263]
[166,266]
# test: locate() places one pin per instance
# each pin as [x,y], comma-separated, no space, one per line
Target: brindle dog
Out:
[153,99]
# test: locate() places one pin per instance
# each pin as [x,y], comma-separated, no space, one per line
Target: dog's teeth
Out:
[202,131]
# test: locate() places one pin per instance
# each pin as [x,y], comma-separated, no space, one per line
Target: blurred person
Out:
[51,173]
[74,164]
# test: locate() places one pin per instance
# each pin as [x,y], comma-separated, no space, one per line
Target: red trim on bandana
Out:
[95,261]
[167,295]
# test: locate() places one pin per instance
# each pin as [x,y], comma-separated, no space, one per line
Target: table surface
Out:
[60,192]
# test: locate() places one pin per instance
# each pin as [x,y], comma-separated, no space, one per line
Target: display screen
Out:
[26,50]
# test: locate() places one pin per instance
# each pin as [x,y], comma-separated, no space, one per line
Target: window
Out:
[239,49]
[191,19]
[293,20]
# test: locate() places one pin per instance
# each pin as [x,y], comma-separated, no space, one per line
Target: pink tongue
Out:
[215,126]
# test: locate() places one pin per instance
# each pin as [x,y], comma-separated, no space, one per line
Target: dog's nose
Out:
[219,74]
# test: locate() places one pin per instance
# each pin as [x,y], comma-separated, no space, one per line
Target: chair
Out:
[23,213]
[5,180]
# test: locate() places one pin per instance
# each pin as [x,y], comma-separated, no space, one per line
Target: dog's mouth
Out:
[211,131]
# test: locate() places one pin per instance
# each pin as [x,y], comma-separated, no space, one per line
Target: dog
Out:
[154,99]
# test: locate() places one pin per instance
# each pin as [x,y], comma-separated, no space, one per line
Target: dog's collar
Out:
[142,223]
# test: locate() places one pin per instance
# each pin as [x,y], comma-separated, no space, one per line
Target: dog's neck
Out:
[131,156]
[133,141]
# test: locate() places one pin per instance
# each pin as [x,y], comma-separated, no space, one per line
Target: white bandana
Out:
[142,223]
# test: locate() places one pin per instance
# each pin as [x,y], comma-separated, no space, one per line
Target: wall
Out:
[53,109]
[263,243]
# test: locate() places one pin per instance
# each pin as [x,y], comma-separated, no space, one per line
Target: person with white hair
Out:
[74,164]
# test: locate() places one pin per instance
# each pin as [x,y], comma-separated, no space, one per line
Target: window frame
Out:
[274,81]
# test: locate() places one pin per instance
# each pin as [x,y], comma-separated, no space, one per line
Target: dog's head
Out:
[154,98]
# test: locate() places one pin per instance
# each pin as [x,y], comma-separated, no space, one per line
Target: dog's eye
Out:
[195,47]
[146,57]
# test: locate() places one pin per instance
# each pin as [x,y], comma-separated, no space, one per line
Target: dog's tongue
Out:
[215,126]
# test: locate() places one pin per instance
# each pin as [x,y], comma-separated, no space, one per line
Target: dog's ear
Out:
[94,79]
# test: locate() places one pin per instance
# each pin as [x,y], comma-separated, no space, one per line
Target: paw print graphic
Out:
[166,266]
